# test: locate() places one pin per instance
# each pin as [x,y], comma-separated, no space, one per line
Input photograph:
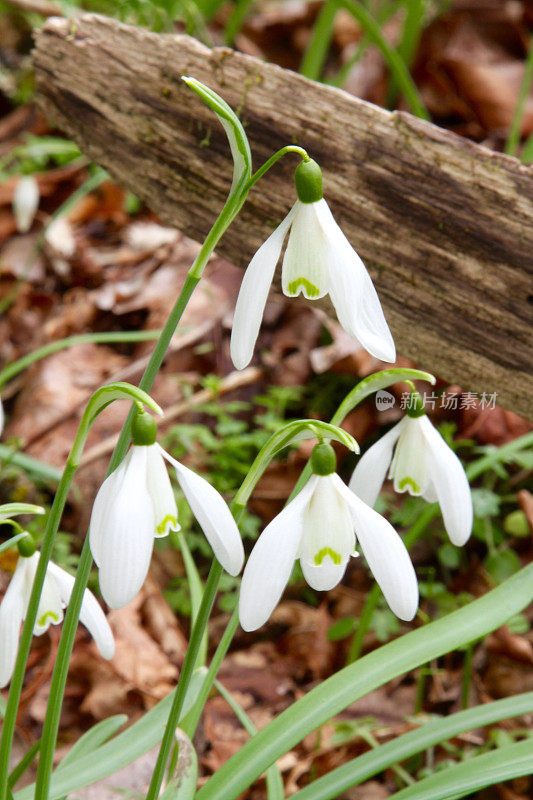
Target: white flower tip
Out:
[240,358]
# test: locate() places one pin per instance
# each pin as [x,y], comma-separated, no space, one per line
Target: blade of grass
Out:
[360,769]
[515,130]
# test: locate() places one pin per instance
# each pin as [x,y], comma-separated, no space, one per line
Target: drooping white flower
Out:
[319,260]
[57,589]
[25,202]
[136,503]
[321,527]
[422,464]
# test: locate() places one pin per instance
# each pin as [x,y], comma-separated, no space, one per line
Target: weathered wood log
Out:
[444,225]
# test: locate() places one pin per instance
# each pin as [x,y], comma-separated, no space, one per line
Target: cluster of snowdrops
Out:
[326,523]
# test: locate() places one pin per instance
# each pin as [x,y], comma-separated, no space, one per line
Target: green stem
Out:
[29,623]
[99,400]
[188,667]
[412,28]
[207,685]
[21,364]
[59,677]
[289,148]
[421,687]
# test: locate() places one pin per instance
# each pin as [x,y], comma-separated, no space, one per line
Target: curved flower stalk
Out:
[422,464]
[136,504]
[320,527]
[55,596]
[319,260]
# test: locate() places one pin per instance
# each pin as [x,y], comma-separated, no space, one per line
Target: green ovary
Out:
[310,289]
[168,522]
[327,551]
[48,615]
[407,481]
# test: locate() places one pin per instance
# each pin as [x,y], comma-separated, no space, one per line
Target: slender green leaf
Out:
[240,148]
[9,510]
[485,770]
[356,680]
[29,464]
[360,769]
[93,738]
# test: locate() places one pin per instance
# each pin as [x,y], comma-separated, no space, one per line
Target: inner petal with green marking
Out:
[167,524]
[309,289]
[408,481]
[408,468]
[327,551]
[47,618]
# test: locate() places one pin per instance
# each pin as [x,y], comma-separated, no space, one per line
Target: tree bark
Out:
[444,225]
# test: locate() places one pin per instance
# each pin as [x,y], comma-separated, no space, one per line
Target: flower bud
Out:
[26,546]
[415,406]
[308,180]
[323,461]
[143,429]
[25,202]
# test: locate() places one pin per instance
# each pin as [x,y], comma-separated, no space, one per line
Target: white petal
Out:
[12,611]
[450,485]
[328,526]
[160,490]
[304,264]
[253,294]
[371,469]
[352,292]
[91,614]
[271,561]
[386,555]
[324,577]
[50,611]
[127,539]
[102,508]
[25,202]
[214,517]
[409,467]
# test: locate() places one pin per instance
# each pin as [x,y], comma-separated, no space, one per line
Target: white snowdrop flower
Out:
[319,260]
[55,596]
[25,202]
[136,503]
[321,527]
[422,464]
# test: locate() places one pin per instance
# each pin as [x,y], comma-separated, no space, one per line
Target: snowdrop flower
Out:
[319,260]
[320,527]
[25,202]
[422,464]
[55,596]
[136,503]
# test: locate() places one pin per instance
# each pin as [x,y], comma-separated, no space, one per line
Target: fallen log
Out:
[444,225]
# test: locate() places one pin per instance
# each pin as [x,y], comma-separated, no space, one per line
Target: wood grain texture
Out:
[443,225]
